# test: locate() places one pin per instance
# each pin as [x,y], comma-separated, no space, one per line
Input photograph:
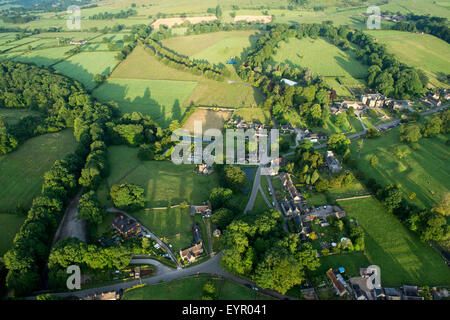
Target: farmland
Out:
[140,65]
[163,100]
[253,114]
[9,225]
[413,171]
[13,116]
[323,59]
[84,66]
[22,170]
[164,182]
[402,257]
[43,57]
[423,51]
[210,119]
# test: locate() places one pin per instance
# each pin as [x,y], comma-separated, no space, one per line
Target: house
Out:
[332,163]
[373,100]
[411,293]
[205,209]
[323,212]
[286,182]
[400,105]
[197,233]
[275,165]
[126,226]
[339,284]
[190,254]
[288,82]
[290,209]
[286,128]
[78,42]
[392,294]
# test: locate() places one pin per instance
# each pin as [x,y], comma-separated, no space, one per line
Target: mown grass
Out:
[350,261]
[423,51]
[402,257]
[84,66]
[164,182]
[9,226]
[43,57]
[191,288]
[253,114]
[22,171]
[423,171]
[163,100]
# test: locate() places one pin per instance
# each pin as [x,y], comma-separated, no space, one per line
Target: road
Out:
[255,189]
[165,274]
[151,234]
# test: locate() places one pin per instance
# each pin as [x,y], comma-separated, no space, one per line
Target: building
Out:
[411,293]
[287,128]
[373,100]
[74,42]
[338,282]
[205,210]
[204,169]
[290,209]
[288,82]
[191,254]
[322,213]
[275,165]
[392,294]
[286,182]
[332,162]
[125,226]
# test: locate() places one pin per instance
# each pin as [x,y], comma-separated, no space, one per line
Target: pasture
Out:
[402,257]
[163,100]
[423,171]
[43,57]
[210,119]
[422,51]
[9,226]
[12,116]
[322,58]
[191,288]
[83,66]
[22,171]
[215,47]
[164,182]
[141,65]
[253,114]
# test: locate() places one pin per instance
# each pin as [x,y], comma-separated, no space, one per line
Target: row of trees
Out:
[436,26]
[413,132]
[123,14]
[176,61]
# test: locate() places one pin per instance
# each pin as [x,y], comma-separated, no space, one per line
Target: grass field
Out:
[323,59]
[423,171]
[141,65]
[215,47]
[12,116]
[163,181]
[350,261]
[9,226]
[402,257]
[210,119]
[423,51]
[191,288]
[163,100]
[22,170]
[43,57]
[84,66]
[253,114]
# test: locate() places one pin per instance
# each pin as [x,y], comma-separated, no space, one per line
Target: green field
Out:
[12,116]
[163,181]
[350,261]
[43,57]
[402,257]
[423,171]
[163,100]
[22,171]
[84,66]
[423,51]
[141,65]
[215,47]
[191,288]
[9,226]
[322,58]
[253,114]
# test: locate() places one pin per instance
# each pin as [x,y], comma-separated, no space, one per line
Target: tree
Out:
[338,143]
[410,133]
[373,161]
[89,208]
[392,197]
[222,218]
[432,127]
[99,78]
[235,178]
[372,133]
[127,196]
[219,12]
[443,207]
[436,229]
[220,197]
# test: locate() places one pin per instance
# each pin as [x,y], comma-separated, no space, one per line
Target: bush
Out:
[128,196]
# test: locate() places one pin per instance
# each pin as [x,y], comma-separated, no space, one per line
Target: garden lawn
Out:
[22,171]
[402,257]
[350,261]
[163,100]
[9,226]
[191,288]
[163,181]
[423,171]
[84,66]
[423,51]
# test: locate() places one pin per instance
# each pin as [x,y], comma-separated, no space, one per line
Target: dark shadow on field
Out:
[347,65]
[144,104]
[39,61]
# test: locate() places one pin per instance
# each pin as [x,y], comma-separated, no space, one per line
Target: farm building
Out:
[288,82]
